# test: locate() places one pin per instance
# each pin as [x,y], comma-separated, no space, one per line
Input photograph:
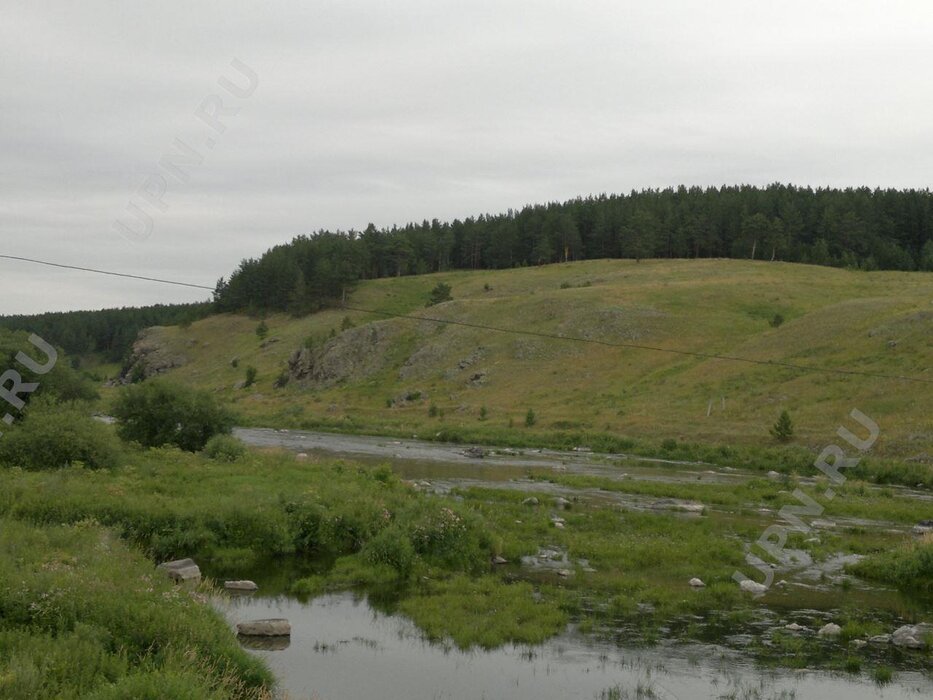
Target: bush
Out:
[439,294]
[392,548]
[262,330]
[250,376]
[224,448]
[158,413]
[783,429]
[530,418]
[776,321]
[52,436]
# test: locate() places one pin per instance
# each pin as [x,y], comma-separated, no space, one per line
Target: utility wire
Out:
[105,272]
[537,334]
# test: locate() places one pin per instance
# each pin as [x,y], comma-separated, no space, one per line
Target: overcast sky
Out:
[388,112]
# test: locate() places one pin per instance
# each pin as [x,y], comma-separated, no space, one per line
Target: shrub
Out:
[158,413]
[439,294]
[262,330]
[432,411]
[250,376]
[783,429]
[52,436]
[776,321]
[392,548]
[224,448]
[346,324]
[530,418]
[483,413]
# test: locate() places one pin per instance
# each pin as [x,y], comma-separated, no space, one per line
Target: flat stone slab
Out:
[275,627]
[181,570]
[241,586]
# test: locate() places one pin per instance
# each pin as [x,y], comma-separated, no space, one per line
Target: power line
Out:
[536,334]
[105,272]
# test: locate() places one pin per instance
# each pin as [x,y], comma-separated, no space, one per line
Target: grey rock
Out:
[499,560]
[794,627]
[697,583]
[181,570]
[241,585]
[910,636]
[754,587]
[532,501]
[276,627]
[475,452]
[562,502]
[829,630]
[880,639]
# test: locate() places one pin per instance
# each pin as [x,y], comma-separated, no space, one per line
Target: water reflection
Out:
[343,649]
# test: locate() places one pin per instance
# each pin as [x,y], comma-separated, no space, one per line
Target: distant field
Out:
[869,321]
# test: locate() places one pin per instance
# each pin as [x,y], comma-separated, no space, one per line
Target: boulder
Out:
[830,629]
[697,583]
[754,587]
[475,452]
[275,627]
[794,627]
[240,586]
[880,639]
[562,502]
[530,501]
[499,560]
[910,636]
[773,475]
[181,570]
[301,456]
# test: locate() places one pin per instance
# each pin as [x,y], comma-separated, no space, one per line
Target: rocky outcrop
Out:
[354,354]
[151,355]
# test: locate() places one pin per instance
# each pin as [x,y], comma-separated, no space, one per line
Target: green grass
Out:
[610,396]
[364,528]
[82,615]
[909,567]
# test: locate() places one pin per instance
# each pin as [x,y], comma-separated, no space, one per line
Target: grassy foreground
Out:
[82,615]
[429,556]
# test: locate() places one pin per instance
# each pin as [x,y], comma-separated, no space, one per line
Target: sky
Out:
[173,139]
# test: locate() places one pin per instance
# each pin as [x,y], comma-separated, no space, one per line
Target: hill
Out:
[362,371]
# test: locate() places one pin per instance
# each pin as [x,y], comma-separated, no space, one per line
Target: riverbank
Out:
[481,566]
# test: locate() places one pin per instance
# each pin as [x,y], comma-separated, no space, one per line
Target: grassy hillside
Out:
[870,321]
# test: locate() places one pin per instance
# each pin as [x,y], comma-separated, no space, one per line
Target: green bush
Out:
[783,429]
[530,418]
[392,548]
[224,448]
[52,436]
[250,376]
[157,413]
[440,294]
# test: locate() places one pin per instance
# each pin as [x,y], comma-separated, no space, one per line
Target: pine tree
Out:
[783,429]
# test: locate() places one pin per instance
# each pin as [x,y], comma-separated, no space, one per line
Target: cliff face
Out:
[152,354]
[353,354]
